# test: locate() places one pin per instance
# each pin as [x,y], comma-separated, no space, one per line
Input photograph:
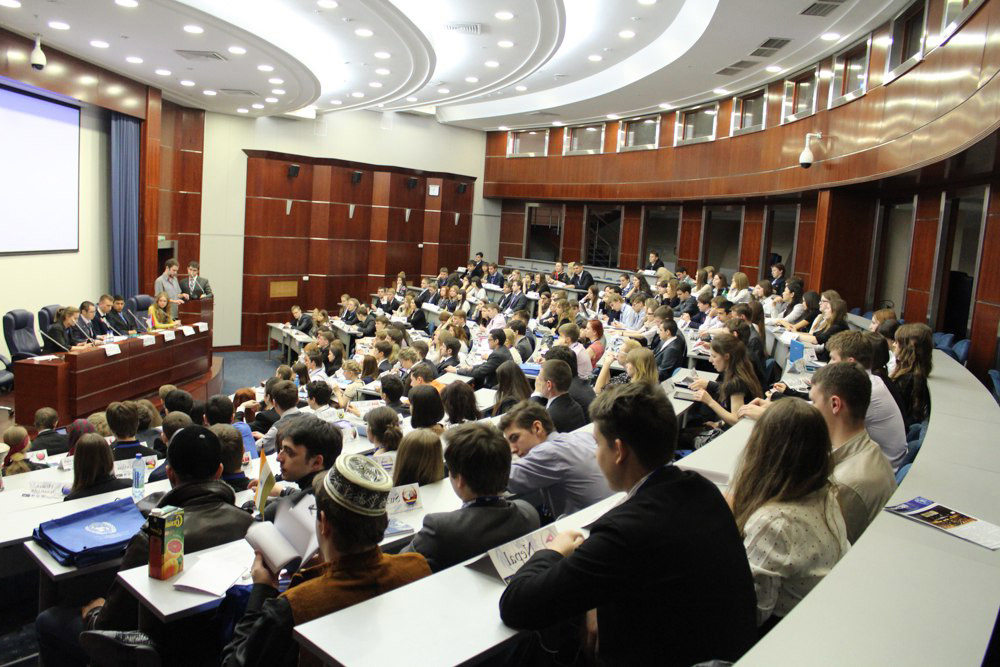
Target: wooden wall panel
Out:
[920,279]
[689,241]
[628,251]
[805,231]
[572,242]
[149,191]
[986,309]
[842,244]
[752,239]
[512,222]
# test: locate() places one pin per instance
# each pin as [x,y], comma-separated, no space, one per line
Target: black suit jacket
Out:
[666,570]
[485,374]
[524,347]
[417,320]
[658,264]
[120,322]
[200,290]
[303,324]
[560,277]
[672,357]
[422,297]
[581,392]
[100,324]
[81,332]
[367,328]
[349,317]
[478,271]
[58,333]
[566,413]
[517,302]
[495,279]
[582,280]
[688,305]
[450,361]
[51,442]
[778,284]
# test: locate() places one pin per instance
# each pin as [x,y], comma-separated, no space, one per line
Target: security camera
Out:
[37,55]
[806,158]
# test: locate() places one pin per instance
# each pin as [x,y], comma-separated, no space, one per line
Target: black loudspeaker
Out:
[462,187]
[293,170]
[411,183]
[355,177]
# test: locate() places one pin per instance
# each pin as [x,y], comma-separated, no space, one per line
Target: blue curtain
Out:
[125,149]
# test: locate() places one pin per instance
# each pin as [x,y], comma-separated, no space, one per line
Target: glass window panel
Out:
[585,139]
[640,132]
[751,111]
[699,123]
[531,142]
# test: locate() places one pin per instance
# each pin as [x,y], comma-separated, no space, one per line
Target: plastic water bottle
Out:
[138,478]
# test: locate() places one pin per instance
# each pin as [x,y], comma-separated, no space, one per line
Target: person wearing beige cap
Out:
[351,519]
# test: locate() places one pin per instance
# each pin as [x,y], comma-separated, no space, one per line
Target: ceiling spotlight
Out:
[265,68]
[504,16]
[363,32]
[11,4]
[237,50]
[242,110]
[492,63]
[720,91]
[96,43]
[773,69]
[257,106]
[210,93]
[276,82]
[612,116]
[471,79]
[327,4]
[503,128]
[383,55]
[127,3]
[163,72]
[647,2]
[336,102]
[627,34]
[86,79]
[411,99]
[444,91]
[194,29]
[373,84]
[135,60]
[270,100]
[557,123]
[520,89]
[357,94]
[830,36]
[666,105]
[505,43]
[187,83]
[278,91]
[595,58]
[58,25]
[381,71]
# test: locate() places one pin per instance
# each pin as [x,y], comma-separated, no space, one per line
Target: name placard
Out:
[112,349]
[169,335]
[403,498]
[202,326]
[188,331]
[147,340]
[508,558]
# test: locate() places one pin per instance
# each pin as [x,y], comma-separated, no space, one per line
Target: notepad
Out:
[290,540]
[216,572]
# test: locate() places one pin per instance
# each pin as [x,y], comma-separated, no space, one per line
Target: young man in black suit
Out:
[485,374]
[493,275]
[123,420]
[478,460]
[552,384]
[300,320]
[682,606]
[117,318]
[579,389]
[46,420]
[581,278]
[517,301]
[100,322]
[448,349]
[671,353]
[654,261]
[688,304]
[479,266]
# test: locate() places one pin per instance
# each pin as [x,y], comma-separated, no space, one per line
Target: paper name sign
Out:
[66,463]
[202,326]
[123,469]
[508,558]
[387,461]
[403,498]
[169,335]
[188,331]
[112,349]
[47,490]
[147,340]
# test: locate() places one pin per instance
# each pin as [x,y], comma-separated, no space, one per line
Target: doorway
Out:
[895,237]
[660,230]
[779,246]
[544,231]
[964,211]
[721,242]
[602,235]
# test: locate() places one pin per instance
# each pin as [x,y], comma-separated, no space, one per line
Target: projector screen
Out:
[39,174]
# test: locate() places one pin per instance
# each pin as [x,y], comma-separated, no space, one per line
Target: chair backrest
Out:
[19,333]
[901,473]
[772,372]
[855,311]
[961,350]
[995,376]
[139,304]
[870,314]
[47,315]
[942,340]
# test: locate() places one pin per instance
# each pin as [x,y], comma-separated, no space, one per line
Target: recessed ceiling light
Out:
[773,69]
[381,71]
[257,106]
[194,29]
[278,91]
[612,116]
[237,50]
[383,55]
[135,60]
[242,110]
[187,83]
[375,84]
[327,4]
[127,3]
[336,102]
[86,79]
[627,34]
[503,128]
[363,32]
[491,63]
[270,100]
[647,2]
[557,123]
[471,79]
[504,16]
[505,43]
[210,93]
[411,99]
[58,25]
[265,68]
[594,58]
[830,36]
[276,81]
[711,112]
[520,89]
[96,43]
[720,91]
[12,4]
[163,72]
[666,105]
[357,94]
[444,91]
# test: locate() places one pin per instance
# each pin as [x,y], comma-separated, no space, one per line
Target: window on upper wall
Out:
[639,134]
[696,125]
[528,143]
[749,110]
[800,95]
[907,46]
[955,14]
[850,73]
[583,140]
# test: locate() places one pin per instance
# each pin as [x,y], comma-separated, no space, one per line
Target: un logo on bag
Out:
[101,528]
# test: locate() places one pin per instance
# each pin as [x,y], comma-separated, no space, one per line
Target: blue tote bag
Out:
[93,535]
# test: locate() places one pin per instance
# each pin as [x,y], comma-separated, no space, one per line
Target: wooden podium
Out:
[197,310]
[79,383]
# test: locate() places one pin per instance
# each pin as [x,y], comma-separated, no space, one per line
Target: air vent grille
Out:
[820,9]
[728,71]
[464,28]
[200,55]
[544,114]
[776,43]
[238,92]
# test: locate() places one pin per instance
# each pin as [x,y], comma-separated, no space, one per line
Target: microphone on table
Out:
[90,339]
[138,324]
[51,339]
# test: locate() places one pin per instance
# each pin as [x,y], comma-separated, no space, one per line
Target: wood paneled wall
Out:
[689,240]
[317,235]
[631,238]
[573,224]
[923,252]
[842,244]
[752,239]
[986,309]
[513,218]
[805,231]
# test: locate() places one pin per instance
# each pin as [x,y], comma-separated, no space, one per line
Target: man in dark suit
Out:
[683,606]
[365,320]
[300,320]
[83,331]
[425,292]
[478,460]
[485,374]
[552,387]
[579,389]
[778,278]
[671,353]
[195,286]
[523,345]
[386,300]
[654,261]
[116,318]
[493,275]
[505,300]
[448,349]
[100,323]
[479,267]
[46,420]
[581,279]
[351,314]
[517,301]
[688,303]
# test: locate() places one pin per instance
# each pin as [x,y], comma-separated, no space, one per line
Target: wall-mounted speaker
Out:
[462,187]
[355,177]
[411,183]
[293,170]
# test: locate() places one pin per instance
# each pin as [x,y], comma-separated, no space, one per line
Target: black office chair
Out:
[19,332]
[6,374]
[139,304]
[46,316]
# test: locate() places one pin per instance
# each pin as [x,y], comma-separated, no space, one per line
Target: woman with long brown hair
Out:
[512,387]
[786,507]
[832,319]
[94,468]
[738,384]
[914,346]
[420,459]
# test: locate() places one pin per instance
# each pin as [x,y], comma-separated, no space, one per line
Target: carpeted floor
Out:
[246,369]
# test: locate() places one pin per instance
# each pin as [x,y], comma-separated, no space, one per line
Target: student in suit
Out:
[671,353]
[688,304]
[123,420]
[46,420]
[581,279]
[518,301]
[507,296]
[100,321]
[94,469]
[778,278]
[365,320]
[425,294]
[654,261]
[552,385]
[485,374]
[300,321]
[448,350]
[117,319]
[523,343]
[579,389]
[682,605]
[413,313]
[478,460]
[195,286]
[83,331]
[352,312]
[493,275]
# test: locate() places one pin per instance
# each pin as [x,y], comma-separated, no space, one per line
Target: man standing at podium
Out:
[194,286]
[167,282]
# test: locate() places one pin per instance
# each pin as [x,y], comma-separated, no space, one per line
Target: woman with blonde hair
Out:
[100,422]
[159,313]
[786,507]
[638,366]
[420,459]
[739,288]
[352,392]
[701,284]
[17,461]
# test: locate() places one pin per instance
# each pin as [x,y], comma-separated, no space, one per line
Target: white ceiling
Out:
[561,61]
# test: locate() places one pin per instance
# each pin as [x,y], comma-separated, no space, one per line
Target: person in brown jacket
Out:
[351,520]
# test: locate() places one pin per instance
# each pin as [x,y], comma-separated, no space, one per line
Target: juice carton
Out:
[166,542]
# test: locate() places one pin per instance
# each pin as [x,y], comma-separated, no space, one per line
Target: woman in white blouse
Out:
[739,289]
[786,507]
